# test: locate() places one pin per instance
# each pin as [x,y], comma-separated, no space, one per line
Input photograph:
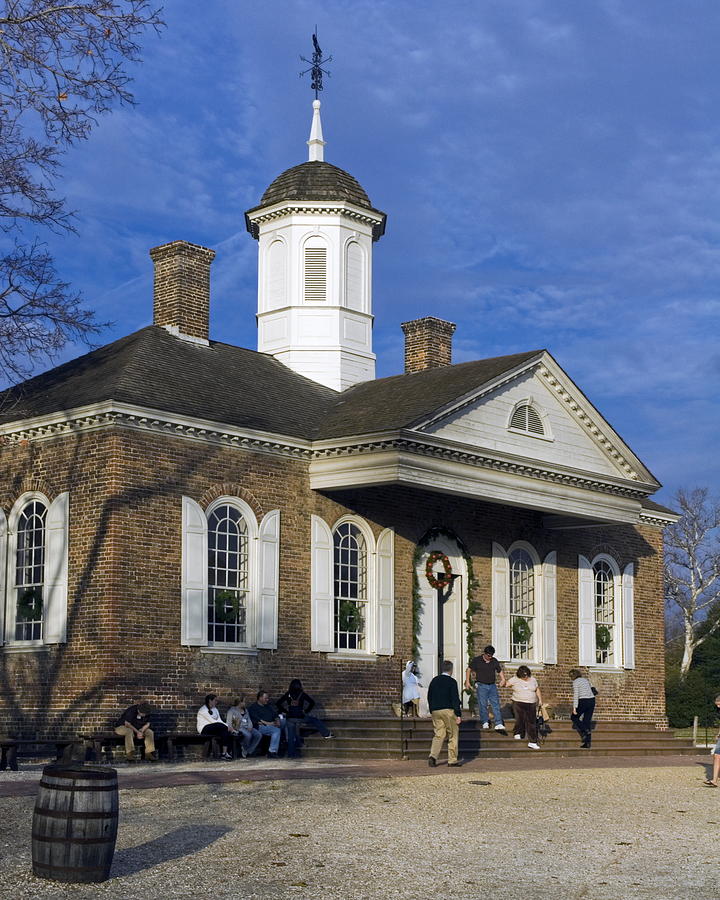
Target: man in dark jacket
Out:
[134,724]
[444,703]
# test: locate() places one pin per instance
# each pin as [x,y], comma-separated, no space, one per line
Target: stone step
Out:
[326,752]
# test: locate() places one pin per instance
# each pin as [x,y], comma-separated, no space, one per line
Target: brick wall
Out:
[124,598]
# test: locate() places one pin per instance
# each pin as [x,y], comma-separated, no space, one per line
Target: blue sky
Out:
[550,170]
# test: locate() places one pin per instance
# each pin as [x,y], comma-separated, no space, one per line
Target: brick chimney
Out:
[181,295]
[428,343]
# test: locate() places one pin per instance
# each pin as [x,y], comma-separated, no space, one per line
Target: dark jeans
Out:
[293,732]
[526,720]
[583,719]
[220,731]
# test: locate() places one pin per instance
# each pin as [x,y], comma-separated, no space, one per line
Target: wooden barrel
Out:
[75,823]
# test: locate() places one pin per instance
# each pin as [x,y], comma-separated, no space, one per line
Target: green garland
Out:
[30,605]
[603,637]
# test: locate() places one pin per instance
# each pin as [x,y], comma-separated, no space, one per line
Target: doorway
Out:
[443,608]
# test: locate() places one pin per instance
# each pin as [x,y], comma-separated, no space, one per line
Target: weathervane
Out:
[316,66]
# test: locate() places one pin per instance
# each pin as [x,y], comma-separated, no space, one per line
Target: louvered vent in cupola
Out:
[526,418]
[315,274]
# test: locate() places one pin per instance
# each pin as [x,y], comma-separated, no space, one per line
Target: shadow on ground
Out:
[173,845]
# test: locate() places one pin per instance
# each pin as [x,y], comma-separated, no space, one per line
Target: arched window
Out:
[276,275]
[605,613]
[30,571]
[315,270]
[351,587]
[228,576]
[522,605]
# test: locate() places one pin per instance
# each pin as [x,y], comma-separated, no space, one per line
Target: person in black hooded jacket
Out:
[297,705]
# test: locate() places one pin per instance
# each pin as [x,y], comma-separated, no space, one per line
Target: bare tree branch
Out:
[692,569]
[62,65]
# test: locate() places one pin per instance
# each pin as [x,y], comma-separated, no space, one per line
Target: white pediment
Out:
[575,435]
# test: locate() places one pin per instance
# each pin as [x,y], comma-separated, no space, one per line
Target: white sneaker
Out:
[486,725]
[500,727]
[533,746]
[518,737]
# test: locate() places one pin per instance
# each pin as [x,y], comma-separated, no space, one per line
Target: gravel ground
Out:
[601,833]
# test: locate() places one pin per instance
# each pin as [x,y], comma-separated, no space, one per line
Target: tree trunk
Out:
[691,643]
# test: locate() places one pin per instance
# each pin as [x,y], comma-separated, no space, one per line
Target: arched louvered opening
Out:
[315,280]
[526,418]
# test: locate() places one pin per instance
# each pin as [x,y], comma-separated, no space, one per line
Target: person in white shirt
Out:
[209,724]
[411,689]
[525,697]
[583,706]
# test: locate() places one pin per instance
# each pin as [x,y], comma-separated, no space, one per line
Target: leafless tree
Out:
[692,570]
[61,66]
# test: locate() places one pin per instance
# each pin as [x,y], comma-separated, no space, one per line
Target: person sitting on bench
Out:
[210,725]
[265,718]
[135,723]
[296,705]
[241,727]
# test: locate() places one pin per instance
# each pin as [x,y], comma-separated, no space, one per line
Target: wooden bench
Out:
[9,749]
[166,744]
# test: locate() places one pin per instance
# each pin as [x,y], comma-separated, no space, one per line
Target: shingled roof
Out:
[243,388]
[155,369]
[389,404]
[316,180]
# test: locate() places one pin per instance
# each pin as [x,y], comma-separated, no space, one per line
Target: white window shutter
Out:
[385,618]
[549,601]
[628,614]
[586,613]
[193,617]
[267,612]
[322,601]
[500,602]
[56,571]
[3,569]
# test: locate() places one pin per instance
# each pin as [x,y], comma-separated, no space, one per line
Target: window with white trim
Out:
[350,569]
[228,576]
[30,571]
[605,611]
[522,605]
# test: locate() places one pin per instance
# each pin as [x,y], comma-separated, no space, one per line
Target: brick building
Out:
[179,515]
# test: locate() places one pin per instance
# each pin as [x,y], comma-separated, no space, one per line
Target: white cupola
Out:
[315,228]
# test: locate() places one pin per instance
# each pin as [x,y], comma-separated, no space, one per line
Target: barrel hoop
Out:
[49,867]
[43,839]
[84,773]
[73,814]
[74,787]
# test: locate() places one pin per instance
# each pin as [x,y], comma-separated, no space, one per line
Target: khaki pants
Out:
[445,726]
[129,735]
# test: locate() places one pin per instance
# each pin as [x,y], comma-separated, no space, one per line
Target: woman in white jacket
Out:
[411,689]
[209,724]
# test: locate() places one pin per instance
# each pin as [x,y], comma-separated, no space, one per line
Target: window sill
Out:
[352,655]
[533,666]
[230,651]
[25,648]
[599,667]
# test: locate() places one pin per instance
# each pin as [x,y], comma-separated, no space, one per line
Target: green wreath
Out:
[30,605]
[350,617]
[227,608]
[603,637]
[443,580]
[521,631]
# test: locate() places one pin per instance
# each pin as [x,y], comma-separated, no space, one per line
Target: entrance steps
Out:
[389,737]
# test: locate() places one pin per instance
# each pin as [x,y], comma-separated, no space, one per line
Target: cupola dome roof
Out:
[316,180]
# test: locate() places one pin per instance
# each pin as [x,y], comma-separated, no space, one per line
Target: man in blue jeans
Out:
[265,718]
[485,669]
